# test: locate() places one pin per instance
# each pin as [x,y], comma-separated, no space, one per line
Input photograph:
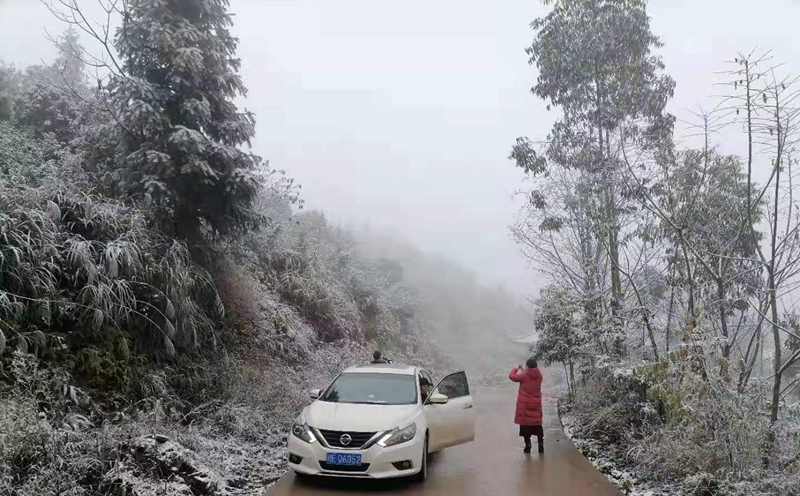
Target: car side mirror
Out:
[315,393]
[437,399]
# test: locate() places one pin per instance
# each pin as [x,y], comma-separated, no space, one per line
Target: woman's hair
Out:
[531,363]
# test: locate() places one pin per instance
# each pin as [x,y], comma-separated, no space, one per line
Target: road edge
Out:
[621,478]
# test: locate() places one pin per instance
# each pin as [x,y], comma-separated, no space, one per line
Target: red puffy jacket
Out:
[529,397]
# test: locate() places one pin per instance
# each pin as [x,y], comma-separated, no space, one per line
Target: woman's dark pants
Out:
[527,431]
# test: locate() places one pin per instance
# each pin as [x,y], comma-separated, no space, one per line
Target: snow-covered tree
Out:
[596,64]
[557,320]
[52,97]
[172,93]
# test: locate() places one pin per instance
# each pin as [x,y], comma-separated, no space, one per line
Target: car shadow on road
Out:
[336,484]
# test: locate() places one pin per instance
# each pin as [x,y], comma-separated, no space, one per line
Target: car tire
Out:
[422,475]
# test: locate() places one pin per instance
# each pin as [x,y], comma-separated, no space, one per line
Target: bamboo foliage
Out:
[88,268]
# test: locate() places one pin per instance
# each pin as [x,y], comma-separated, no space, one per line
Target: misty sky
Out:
[402,114]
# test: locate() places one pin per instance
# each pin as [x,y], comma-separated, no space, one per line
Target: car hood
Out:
[357,417]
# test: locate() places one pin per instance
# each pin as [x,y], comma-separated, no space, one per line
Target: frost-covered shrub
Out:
[23,159]
[43,449]
[53,440]
[79,271]
[611,405]
[675,422]
[709,428]
[241,293]
[86,282]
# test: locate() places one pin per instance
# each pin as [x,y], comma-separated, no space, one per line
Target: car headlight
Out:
[398,436]
[302,431]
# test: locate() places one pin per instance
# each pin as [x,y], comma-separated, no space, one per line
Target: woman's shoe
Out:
[527,449]
[541,448]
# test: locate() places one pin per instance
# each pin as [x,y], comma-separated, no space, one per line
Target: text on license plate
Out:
[343,459]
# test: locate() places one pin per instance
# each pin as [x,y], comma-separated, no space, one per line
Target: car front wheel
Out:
[422,475]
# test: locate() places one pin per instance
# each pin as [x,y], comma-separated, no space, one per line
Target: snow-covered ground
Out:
[191,462]
[615,470]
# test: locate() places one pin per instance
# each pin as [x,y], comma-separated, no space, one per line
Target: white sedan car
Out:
[380,421]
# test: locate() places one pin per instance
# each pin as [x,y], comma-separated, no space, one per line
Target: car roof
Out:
[382,368]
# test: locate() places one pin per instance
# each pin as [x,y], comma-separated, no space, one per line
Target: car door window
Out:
[425,386]
[454,386]
[429,378]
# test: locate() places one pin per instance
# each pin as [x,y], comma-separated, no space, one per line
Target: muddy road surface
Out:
[493,465]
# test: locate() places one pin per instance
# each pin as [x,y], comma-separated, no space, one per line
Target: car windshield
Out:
[372,389]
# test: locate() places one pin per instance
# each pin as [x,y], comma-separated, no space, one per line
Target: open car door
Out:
[452,423]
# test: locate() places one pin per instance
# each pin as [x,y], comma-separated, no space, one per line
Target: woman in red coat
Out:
[529,403]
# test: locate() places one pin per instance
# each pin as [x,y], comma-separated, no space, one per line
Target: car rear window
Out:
[372,389]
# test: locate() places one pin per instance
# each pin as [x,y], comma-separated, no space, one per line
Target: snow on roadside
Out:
[595,452]
[197,461]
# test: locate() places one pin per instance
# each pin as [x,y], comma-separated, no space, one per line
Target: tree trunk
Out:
[645,317]
[613,241]
[776,380]
[590,273]
[773,289]
[723,319]
[569,384]
[669,314]
[751,355]
[761,361]
[749,107]
[616,284]
[572,376]
[608,195]
[690,279]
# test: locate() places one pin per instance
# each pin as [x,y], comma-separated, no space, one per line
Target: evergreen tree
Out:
[172,94]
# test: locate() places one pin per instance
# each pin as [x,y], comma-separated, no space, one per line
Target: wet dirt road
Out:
[493,465]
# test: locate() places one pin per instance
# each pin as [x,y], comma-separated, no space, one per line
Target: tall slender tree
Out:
[596,64]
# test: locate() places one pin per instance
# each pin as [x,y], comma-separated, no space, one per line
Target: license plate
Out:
[349,459]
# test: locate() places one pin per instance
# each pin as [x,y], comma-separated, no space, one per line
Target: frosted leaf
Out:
[53,212]
[97,319]
[169,348]
[170,309]
[169,330]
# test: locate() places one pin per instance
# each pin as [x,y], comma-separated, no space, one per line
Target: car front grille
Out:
[334,438]
[344,468]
